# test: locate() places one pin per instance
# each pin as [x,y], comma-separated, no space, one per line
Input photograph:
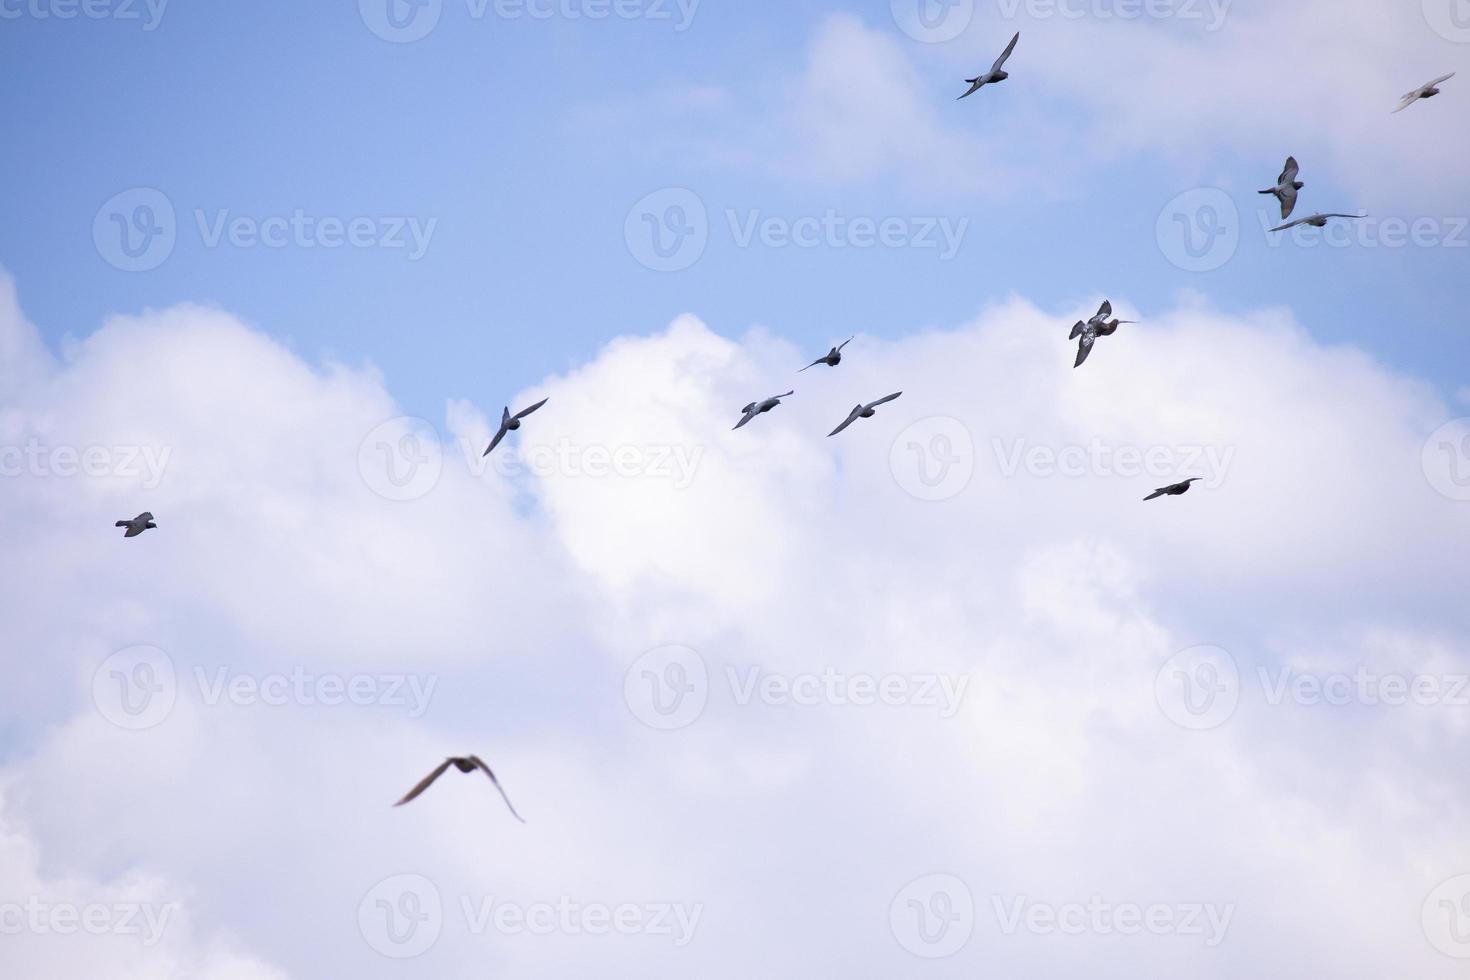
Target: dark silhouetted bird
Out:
[143,522]
[510,423]
[1098,326]
[463,764]
[994,74]
[833,358]
[760,408]
[1286,187]
[1175,490]
[863,412]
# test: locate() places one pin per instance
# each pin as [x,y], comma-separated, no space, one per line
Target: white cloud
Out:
[1322,545]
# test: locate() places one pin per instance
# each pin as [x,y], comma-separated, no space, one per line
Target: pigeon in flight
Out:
[143,522]
[1426,91]
[863,412]
[468,764]
[1175,490]
[1316,220]
[510,423]
[760,408]
[1286,187]
[995,74]
[1098,326]
[833,358]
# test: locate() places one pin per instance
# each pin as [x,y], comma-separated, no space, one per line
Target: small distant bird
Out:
[143,522]
[760,408]
[863,412]
[994,74]
[1098,326]
[1316,220]
[1426,91]
[510,423]
[1175,490]
[463,764]
[833,358]
[1286,187]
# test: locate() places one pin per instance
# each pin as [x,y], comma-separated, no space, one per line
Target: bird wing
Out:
[846,342]
[1290,224]
[133,530]
[851,418]
[532,408]
[1106,310]
[1334,214]
[974,87]
[1006,53]
[1289,172]
[743,421]
[425,783]
[820,360]
[1442,78]
[499,435]
[481,763]
[1077,329]
[884,400]
[1407,99]
[1156,494]
[1288,201]
[1084,347]
[145,517]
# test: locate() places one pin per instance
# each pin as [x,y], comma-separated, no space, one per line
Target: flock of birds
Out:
[1086,333]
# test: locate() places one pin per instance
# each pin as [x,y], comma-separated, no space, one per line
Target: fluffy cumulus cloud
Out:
[940,694]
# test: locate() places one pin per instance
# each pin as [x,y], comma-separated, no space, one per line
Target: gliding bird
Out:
[1316,220]
[833,357]
[1286,187]
[463,764]
[1176,490]
[760,408]
[1426,91]
[863,412]
[1098,326]
[995,74]
[143,522]
[510,423]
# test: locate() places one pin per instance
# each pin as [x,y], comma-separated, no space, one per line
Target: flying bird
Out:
[143,522]
[1426,91]
[510,423]
[1175,490]
[1286,187]
[1316,220]
[863,412]
[760,408]
[1098,326]
[833,358]
[463,764]
[995,74]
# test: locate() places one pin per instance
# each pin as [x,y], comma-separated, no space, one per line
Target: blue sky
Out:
[525,142]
